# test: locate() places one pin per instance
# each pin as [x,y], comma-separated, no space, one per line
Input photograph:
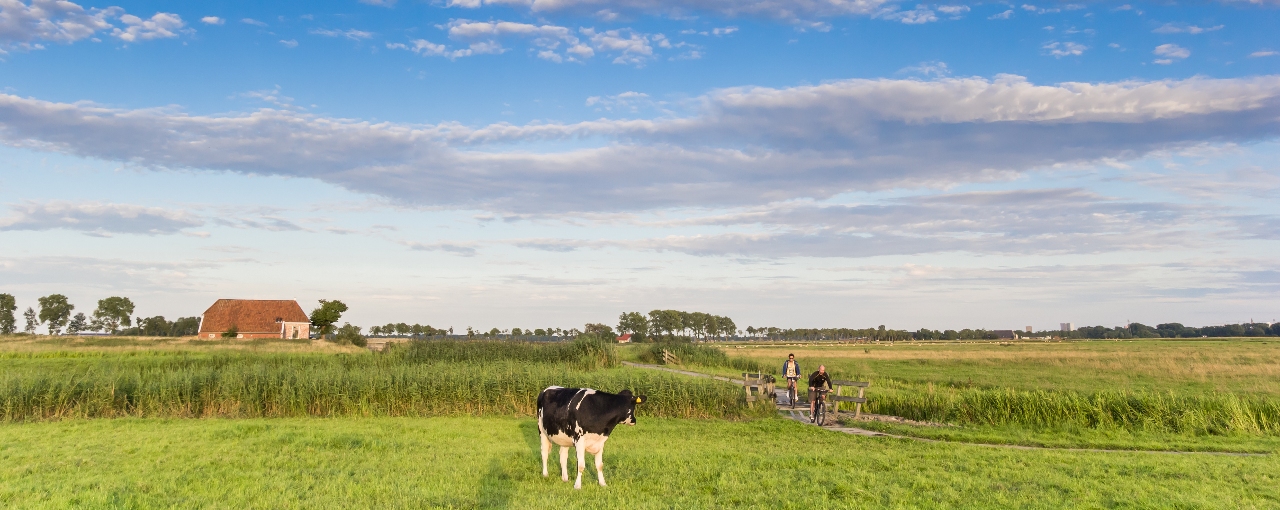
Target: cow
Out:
[581,418]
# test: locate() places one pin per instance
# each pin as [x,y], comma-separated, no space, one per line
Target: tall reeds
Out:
[1211,413]
[425,378]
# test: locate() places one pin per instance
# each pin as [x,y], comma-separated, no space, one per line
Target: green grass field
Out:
[493,462]
[152,423]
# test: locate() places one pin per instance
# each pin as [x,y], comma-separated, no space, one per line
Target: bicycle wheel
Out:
[820,413]
[791,397]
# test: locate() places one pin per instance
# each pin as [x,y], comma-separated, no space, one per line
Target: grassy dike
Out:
[493,462]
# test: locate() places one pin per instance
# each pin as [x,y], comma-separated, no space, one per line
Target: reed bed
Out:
[239,385]
[1205,414]
[696,354]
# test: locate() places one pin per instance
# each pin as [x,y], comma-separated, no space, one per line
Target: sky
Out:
[549,163]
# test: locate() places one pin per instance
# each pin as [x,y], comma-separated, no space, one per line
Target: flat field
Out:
[493,462]
[150,423]
[1243,366]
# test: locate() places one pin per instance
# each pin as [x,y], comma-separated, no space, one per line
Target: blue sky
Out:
[550,163]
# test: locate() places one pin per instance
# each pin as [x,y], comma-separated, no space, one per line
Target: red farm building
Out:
[255,318]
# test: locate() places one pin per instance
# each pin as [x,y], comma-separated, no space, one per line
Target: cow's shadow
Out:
[498,485]
[532,438]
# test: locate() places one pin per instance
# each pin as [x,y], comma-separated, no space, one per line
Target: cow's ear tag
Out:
[640,399]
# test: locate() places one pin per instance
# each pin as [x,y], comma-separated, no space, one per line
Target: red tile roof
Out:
[251,315]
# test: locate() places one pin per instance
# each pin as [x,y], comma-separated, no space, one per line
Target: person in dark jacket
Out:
[817,380]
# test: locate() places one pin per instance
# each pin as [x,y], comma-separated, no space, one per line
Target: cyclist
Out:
[791,370]
[816,381]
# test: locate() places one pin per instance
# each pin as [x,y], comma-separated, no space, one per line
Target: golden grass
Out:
[118,344]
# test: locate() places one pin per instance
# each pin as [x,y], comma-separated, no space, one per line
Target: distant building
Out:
[1028,329]
[1005,334]
[255,318]
[1068,327]
[625,339]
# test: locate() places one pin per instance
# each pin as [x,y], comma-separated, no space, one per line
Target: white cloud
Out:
[212,20]
[955,11]
[550,42]
[97,218]
[1183,28]
[254,22]
[723,31]
[1045,221]
[1263,53]
[1065,49]
[160,26]
[777,9]
[380,3]
[1004,15]
[747,145]
[24,26]
[289,43]
[920,15]
[1172,52]
[353,34]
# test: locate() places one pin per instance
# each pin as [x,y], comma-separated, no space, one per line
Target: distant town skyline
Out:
[550,164]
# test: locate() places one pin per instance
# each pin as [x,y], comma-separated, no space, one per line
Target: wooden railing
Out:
[669,359]
[837,398]
[761,382]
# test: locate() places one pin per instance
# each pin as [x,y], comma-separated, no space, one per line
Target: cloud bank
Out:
[98,218]
[25,26]
[740,147]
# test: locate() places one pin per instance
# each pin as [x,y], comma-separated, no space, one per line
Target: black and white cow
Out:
[581,418]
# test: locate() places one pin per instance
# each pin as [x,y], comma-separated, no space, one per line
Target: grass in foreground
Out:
[661,463]
[1078,437]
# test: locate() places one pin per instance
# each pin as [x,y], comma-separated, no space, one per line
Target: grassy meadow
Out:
[1150,394]
[147,423]
[494,462]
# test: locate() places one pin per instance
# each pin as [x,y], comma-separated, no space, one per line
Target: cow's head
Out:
[631,400]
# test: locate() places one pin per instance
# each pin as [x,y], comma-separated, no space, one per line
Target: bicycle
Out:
[791,392]
[819,406]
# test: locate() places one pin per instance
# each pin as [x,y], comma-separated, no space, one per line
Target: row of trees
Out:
[1175,330]
[56,315]
[673,324]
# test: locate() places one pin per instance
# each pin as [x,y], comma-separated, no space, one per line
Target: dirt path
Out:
[801,415]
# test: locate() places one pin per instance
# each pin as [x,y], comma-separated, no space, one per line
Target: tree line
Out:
[1174,330]
[57,314]
[675,325]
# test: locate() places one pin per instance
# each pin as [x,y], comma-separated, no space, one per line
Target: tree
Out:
[348,334]
[231,332]
[113,312]
[186,326]
[55,311]
[8,305]
[30,317]
[517,332]
[78,323]
[599,329]
[326,315]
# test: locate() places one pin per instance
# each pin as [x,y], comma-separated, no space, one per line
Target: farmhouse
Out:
[625,339]
[255,318]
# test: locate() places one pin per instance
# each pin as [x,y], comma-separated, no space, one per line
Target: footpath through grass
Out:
[493,462]
[1162,394]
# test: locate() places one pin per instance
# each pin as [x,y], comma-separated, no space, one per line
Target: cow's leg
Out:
[546,451]
[577,445]
[600,465]
[564,463]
